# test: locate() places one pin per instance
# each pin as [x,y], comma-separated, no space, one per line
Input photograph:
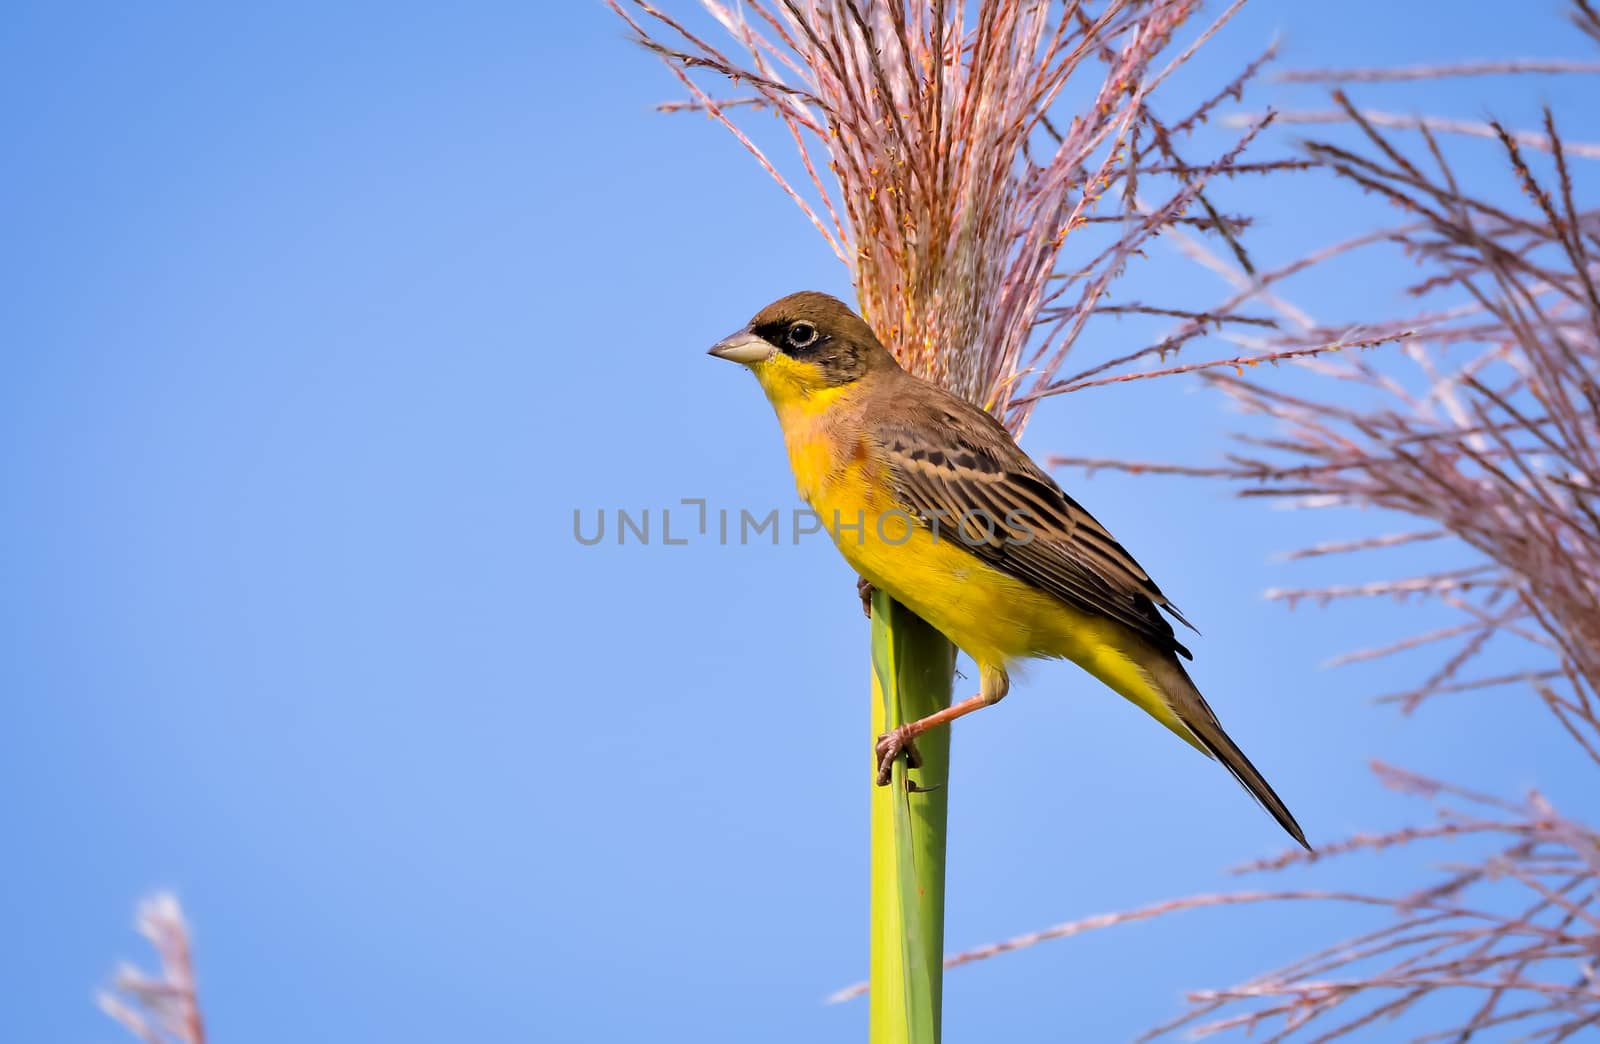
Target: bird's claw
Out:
[891,745]
[864,588]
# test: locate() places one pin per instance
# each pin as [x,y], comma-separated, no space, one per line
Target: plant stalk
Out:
[913,667]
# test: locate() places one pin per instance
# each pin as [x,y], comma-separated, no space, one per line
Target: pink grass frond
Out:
[162,1008]
[1534,960]
[1507,67]
[1440,124]
[1484,429]
[959,169]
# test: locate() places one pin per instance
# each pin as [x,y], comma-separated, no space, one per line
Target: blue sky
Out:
[319,323]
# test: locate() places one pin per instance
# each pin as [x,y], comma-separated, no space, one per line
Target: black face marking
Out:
[797,339]
[840,360]
[822,332]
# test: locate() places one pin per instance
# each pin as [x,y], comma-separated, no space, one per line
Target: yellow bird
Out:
[930,500]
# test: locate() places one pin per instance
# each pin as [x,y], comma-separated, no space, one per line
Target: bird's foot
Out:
[891,745]
[864,588]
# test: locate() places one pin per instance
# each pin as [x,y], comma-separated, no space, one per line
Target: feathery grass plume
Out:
[966,143]
[159,1009]
[1486,431]
[1528,963]
[948,152]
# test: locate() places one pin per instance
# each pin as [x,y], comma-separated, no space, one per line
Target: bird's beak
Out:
[742,347]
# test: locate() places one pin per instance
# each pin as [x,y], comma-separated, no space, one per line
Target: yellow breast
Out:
[992,616]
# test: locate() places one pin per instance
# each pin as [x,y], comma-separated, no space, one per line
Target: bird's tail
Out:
[1197,723]
[1218,745]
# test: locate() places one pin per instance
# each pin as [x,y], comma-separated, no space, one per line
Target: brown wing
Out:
[953,466]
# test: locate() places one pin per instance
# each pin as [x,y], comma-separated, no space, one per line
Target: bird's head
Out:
[805,344]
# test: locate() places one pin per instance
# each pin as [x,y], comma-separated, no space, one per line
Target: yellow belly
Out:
[991,616]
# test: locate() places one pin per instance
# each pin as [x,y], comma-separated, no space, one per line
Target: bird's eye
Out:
[801,335]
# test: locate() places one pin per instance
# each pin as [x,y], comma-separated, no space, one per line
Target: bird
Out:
[931,500]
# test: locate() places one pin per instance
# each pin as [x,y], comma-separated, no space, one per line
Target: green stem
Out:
[912,669]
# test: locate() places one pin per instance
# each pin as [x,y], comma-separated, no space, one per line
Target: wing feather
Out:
[960,472]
